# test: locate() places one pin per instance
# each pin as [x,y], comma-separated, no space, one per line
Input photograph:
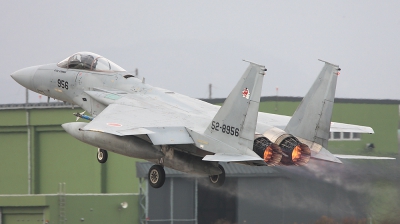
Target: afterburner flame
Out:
[270,152]
[267,154]
[296,154]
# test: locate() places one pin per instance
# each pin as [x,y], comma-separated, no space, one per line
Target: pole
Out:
[26,96]
[28,132]
[172,200]
[196,201]
[276,99]
[210,91]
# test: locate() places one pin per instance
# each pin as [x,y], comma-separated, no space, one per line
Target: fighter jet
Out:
[135,119]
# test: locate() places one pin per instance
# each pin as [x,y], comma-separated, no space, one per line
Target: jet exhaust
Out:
[294,152]
[270,152]
[297,153]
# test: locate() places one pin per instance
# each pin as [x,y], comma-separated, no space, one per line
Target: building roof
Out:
[298,99]
[36,106]
[231,170]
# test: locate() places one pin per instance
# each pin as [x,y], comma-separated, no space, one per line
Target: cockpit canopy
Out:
[89,61]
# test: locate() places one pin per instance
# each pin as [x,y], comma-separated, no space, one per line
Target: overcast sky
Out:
[185,45]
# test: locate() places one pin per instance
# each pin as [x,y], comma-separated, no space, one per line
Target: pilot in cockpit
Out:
[87,61]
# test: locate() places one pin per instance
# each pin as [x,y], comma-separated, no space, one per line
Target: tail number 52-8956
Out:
[227,129]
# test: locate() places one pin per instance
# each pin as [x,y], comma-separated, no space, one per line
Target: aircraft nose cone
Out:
[25,76]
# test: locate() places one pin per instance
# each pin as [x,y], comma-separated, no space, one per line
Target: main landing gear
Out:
[156,176]
[218,180]
[102,155]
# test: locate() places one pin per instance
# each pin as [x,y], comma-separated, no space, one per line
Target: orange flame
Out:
[296,154]
[267,154]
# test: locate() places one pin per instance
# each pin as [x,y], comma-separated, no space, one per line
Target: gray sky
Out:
[185,45]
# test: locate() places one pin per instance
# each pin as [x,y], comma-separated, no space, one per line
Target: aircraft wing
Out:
[158,124]
[281,121]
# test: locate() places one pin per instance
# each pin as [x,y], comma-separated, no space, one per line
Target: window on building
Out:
[356,136]
[344,136]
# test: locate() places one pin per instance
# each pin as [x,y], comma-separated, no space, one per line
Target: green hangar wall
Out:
[36,155]
[85,208]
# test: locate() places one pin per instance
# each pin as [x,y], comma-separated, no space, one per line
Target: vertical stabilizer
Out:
[235,123]
[312,119]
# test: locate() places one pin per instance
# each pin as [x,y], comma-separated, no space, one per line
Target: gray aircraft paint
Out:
[240,111]
[312,118]
[124,106]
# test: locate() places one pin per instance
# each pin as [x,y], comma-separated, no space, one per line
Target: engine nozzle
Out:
[270,152]
[297,153]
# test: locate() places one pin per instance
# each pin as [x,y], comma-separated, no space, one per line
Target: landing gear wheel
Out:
[156,176]
[218,180]
[102,155]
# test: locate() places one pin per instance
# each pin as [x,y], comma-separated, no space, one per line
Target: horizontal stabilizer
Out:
[220,157]
[324,154]
[361,157]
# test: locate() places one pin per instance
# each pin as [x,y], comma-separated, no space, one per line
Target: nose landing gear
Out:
[102,155]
